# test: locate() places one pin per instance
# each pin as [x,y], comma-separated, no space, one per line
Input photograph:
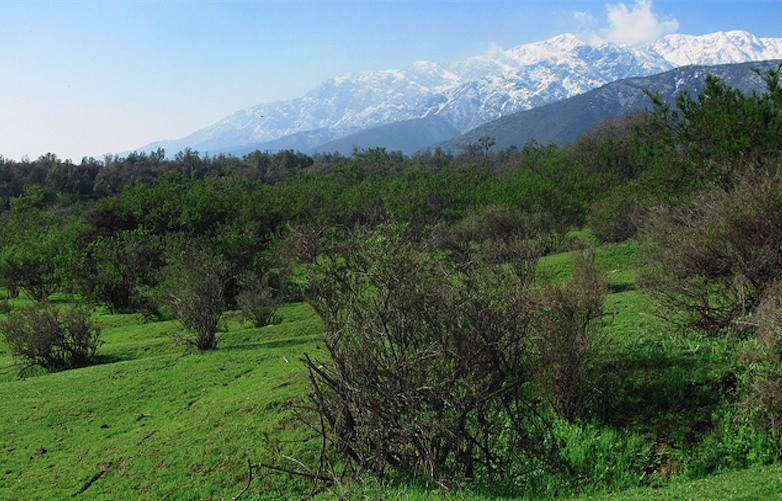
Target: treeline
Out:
[67,216]
[62,223]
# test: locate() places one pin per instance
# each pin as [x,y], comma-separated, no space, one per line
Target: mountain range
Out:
[562,122]
[429,103]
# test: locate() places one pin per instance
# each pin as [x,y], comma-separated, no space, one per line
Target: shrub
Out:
[116,270]
[711,261]
[432,359]
[50,338]
[763,401]
[568,335]
[613,220]
[195,291]
[497,224]
[257,300]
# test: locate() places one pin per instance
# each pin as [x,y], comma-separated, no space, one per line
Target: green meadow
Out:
[155,419]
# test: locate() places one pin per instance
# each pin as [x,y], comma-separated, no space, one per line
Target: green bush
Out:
[117,269]
[614,220]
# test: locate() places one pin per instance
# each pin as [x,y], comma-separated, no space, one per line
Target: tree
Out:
[712,259]
[116,270]
[710,138]
[37,251]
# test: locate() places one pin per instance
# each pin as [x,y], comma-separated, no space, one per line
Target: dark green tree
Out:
[38,247]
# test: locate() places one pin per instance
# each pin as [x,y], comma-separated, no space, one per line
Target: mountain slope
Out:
[407,136]
[467,93]
[562,122]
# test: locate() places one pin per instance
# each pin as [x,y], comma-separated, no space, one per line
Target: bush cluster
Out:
[50,338]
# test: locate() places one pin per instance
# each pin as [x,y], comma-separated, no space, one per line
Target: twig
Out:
[249,479]
[311,476]
[92,480]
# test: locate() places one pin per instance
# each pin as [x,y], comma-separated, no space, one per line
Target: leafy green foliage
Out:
[427,322]
[37,251]
[117,270]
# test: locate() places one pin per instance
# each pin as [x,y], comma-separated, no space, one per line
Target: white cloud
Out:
[636,24]
[583,17]
[494,50]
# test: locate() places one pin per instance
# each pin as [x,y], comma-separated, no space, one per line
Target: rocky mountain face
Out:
[429,101]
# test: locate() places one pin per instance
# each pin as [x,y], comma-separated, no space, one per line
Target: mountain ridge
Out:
[467,93]
[563,121]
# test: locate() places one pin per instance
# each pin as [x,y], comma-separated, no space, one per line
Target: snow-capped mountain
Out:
[464,94]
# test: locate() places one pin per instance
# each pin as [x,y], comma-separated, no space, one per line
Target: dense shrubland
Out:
[451,354]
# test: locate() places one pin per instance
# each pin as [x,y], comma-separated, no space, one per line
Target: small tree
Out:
[116,269]
[195,290]
[51,338]
[36,247]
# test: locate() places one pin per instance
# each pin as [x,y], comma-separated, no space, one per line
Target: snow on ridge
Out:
[476,90]
[716,48]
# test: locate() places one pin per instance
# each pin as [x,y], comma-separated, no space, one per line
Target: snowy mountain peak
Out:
[552,48]
[465,94]
[716,48]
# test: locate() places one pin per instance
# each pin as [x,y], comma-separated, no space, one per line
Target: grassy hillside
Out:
[157,420]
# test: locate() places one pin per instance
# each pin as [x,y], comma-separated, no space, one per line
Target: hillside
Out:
[154,420]
[598,318]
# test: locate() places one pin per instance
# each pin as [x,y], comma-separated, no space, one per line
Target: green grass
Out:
[757,484]
[157,420]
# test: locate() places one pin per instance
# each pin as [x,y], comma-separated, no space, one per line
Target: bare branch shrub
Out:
[711,261]
[258,301]
[764,397]
[51,338]
[430,358]
[195,290]
[569,331]
[496,223]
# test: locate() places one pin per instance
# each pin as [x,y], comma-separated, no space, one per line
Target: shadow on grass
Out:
[662,395]
[238,345]
[110,359]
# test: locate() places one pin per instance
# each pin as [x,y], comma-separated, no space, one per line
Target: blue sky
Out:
[84,78]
